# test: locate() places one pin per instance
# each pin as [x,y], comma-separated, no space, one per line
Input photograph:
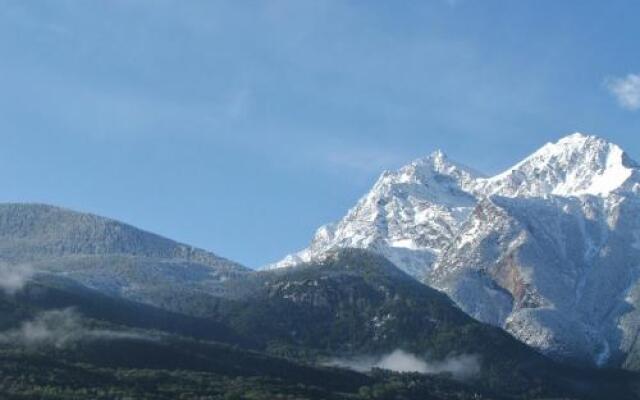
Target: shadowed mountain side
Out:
[52,293]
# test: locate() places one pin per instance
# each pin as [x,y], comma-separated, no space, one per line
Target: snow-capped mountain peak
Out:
[575,165]
[439,162]
[547,249]
[428,175]
[408,215]
[419,207]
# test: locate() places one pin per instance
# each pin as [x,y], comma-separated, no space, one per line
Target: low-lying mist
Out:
[462,367]
[14,277]
[59,329]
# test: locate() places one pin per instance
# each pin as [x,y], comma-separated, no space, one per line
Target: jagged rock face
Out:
[551,253]
[554,272]
[106,255]
[549,249]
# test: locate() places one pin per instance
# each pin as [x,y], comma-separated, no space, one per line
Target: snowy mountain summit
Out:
[408,216]
[575,165]
[548,249]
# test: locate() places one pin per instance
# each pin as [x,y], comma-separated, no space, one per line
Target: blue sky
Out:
[242,126]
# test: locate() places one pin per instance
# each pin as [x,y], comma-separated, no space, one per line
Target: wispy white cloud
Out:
[14,277]
[626,90]
[59,329]
[461,367]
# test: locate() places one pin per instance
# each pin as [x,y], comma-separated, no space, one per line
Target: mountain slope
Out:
[104,254]
[552,255]
[553,272]
[59,339]
[354,303]
[49,293]
[63,341]
[547,249]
